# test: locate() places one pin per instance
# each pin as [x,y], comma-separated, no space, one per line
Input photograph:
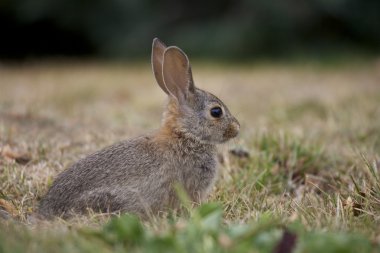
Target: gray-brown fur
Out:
[138,175]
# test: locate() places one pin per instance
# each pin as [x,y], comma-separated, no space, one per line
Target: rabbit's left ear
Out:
[177,74]
[158,49]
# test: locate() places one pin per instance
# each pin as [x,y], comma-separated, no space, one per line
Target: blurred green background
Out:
[214,29]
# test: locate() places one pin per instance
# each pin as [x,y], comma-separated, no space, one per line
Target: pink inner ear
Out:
[177,72]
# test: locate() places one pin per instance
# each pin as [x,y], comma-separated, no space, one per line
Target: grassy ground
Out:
[313,171]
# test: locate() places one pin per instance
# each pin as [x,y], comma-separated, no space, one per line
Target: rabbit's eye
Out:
[216,112]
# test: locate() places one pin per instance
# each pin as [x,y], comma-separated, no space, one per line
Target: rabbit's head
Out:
[191,111]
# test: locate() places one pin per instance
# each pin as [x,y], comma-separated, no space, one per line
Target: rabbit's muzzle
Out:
[232,130]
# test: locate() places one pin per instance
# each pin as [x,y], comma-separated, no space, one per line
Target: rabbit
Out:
[137,175]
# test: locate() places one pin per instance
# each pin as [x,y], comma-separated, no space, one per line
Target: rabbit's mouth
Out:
[232,130]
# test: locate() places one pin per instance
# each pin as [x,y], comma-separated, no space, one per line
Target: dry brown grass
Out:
[309,129]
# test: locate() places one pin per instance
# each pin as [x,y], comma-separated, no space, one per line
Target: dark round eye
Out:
[216,112]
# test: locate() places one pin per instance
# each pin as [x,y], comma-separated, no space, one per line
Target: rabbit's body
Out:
[138,175]
[114,180]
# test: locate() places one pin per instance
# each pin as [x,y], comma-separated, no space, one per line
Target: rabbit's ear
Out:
[158,49]
[177,74]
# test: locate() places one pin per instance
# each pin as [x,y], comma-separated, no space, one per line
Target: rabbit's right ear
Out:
[158,49]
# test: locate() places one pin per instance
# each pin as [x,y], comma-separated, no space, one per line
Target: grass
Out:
[311,180]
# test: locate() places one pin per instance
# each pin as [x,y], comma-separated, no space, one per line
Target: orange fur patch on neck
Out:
[170,129]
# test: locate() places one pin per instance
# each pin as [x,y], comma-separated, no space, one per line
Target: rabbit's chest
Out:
[198,175]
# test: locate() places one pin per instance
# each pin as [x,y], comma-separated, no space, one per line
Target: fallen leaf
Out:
[20,158]
[7,209]
[352,206]
[239,152]
[23,159]
[225,241]
[287,243]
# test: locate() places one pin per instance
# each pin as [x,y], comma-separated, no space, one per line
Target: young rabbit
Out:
[138,175]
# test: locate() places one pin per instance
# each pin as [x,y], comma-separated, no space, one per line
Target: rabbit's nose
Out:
[236,126]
